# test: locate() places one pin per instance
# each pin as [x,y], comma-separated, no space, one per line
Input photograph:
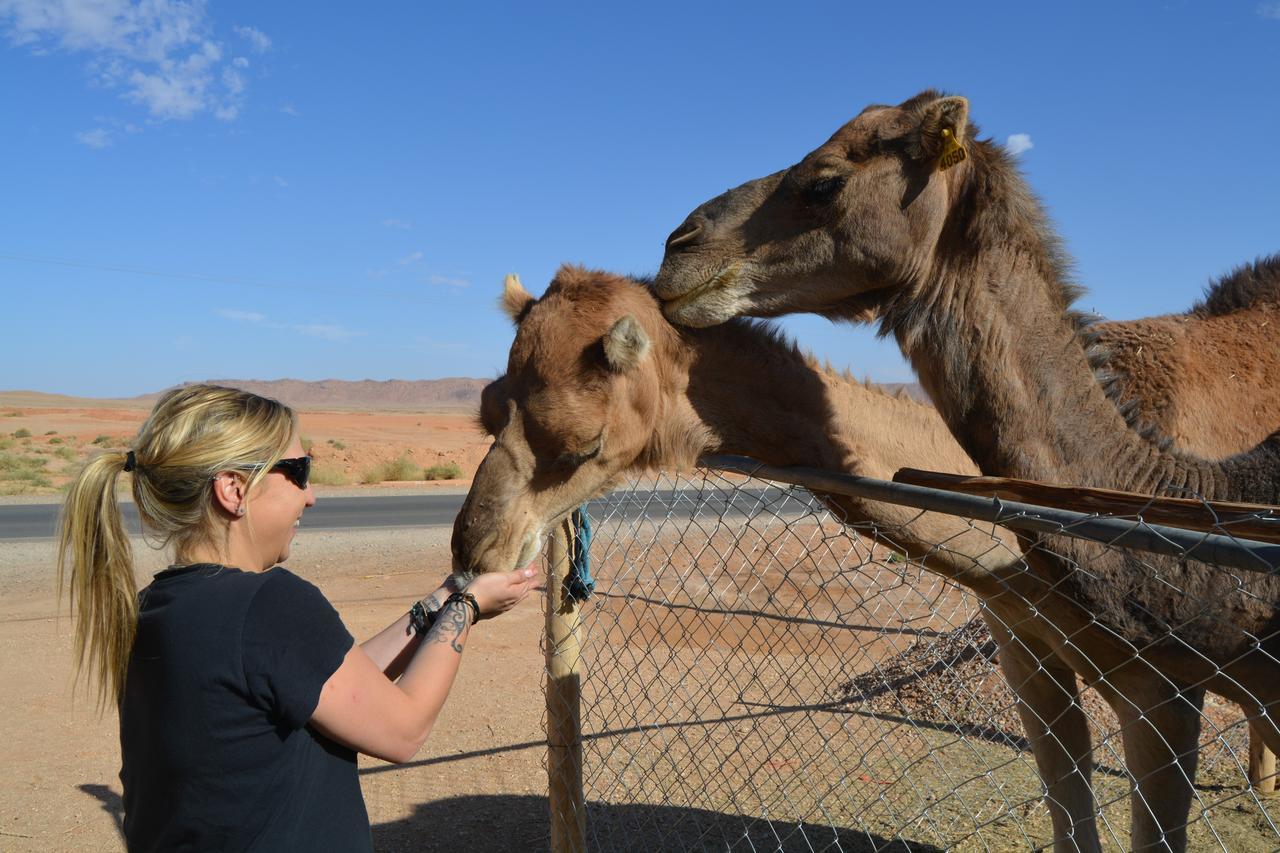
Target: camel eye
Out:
[573,460]
[822,191]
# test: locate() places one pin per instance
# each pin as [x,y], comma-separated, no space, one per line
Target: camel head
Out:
[836,233]
[576,408]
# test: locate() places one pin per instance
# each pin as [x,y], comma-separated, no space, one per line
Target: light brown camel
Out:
[904,217]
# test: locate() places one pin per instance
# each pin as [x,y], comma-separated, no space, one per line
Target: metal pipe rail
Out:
[1215,548]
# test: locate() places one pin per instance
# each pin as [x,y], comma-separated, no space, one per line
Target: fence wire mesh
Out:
[757,673]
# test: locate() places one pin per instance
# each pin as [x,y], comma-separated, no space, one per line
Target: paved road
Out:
[39,521]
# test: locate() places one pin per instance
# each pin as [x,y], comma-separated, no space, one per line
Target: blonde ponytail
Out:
[94,548]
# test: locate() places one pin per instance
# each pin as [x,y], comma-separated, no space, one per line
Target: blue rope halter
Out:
[579,585]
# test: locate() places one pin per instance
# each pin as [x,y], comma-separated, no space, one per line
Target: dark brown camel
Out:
[905,218]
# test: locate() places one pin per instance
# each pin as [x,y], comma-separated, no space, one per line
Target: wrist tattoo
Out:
[449,625]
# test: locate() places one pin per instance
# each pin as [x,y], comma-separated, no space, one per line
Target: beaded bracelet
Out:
[420,619]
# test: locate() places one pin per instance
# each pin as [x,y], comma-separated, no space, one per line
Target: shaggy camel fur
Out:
[904,217]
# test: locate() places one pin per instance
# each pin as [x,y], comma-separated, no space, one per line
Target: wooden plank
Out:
[1246,521]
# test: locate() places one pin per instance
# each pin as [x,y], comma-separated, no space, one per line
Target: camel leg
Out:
[1059,734]
[1160,727]
[1262,762]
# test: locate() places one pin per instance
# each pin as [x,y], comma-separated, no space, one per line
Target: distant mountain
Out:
[454,392]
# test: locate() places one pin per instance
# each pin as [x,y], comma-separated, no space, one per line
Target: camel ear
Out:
[515,301]
[944,125]
[625,344]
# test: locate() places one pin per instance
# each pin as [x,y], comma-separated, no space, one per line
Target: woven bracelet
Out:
[468,599]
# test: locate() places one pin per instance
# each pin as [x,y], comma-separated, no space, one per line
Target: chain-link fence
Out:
[758,671]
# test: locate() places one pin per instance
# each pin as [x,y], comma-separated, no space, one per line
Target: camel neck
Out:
[999,355]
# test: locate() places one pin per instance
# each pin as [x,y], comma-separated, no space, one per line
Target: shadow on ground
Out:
[520,823]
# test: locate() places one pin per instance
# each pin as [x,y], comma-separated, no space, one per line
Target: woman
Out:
[243,699]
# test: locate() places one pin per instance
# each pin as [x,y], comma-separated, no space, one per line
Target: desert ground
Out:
[44,440]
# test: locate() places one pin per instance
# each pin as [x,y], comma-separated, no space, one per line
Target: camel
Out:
[904,217]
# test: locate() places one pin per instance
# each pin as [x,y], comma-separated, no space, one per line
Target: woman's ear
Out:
[229,492]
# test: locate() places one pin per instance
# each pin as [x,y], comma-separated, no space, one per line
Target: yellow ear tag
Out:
[952,151]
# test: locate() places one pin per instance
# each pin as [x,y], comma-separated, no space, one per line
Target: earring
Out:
[239,510]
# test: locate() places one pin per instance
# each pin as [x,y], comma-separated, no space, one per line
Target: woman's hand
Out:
[498,592]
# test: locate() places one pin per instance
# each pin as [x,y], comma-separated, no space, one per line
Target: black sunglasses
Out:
[297,469]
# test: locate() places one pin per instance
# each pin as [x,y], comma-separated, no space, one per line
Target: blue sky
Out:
[269,190]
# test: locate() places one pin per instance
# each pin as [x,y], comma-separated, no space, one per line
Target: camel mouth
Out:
[725,277]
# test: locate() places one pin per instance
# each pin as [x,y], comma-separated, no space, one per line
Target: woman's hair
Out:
[193,432]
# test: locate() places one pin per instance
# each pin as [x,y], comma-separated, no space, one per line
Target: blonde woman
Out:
[243,699]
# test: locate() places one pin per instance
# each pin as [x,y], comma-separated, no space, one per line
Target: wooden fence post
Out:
[564,733]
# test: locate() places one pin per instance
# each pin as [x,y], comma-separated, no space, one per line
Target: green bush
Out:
[324,476]
[22,473]
[65,453]
[337,445]
[22,432]
[443,471]
[306,444]
[52,432]
[403,468]
[55,440]
[102,440]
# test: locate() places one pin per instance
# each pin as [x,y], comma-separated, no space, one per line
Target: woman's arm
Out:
[393,647]
[361,708]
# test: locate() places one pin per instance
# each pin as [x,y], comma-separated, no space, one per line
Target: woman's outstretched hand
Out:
[498,592]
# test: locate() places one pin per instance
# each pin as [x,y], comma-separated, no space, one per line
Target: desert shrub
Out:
[102,440]
[306,444]
[65,453]
[52,432]
[403,468]
[15,414]
[6,443]
[22,473]
[322,475]
[337,445]
[22,432]
[54,440]
[443,471]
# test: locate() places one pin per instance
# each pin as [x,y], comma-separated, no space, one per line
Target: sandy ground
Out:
[481,773]
[345,445]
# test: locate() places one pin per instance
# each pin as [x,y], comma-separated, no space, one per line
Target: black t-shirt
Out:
[225,672]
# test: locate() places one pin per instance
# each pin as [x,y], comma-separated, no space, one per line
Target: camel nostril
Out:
[686,234]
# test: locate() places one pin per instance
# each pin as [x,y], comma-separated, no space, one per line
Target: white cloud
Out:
[399,224]
[290,110]
[328,332]
[1270,10]
[160,53]
[1018,143]
[97,138]
[242,316]
[412,258]
[257,39]
[280,181]
[447,281]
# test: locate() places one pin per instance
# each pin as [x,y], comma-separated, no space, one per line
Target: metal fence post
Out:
[564,734]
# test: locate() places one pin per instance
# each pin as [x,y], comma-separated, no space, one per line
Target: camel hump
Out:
[1247,286]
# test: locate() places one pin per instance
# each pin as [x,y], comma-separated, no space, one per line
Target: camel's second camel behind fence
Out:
[599,384]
